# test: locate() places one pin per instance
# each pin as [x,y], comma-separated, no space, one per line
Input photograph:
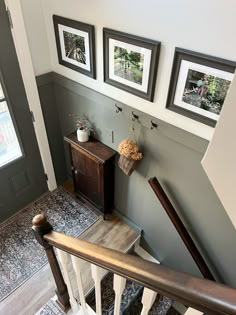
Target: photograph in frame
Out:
[75,45]
[199,85]
[130,63]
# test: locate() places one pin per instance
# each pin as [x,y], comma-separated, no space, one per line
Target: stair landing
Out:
[38,290]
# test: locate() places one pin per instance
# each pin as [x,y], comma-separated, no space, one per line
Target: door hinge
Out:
[9,17]
[46,176]
[32,116]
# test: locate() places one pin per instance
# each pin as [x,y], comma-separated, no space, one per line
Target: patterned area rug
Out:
[20,254]
[161,306]
[51,308]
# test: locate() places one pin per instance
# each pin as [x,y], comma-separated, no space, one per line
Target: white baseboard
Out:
[192,311]
[144,254]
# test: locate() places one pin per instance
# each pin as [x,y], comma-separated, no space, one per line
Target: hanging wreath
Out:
[129,153]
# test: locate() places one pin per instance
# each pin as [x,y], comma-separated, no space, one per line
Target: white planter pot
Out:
[82,135]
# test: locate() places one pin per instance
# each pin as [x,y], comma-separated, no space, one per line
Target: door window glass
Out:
[9,145]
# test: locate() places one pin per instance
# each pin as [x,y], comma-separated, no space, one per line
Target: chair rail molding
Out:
[27,71]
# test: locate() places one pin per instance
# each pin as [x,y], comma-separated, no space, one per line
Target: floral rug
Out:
[20,254]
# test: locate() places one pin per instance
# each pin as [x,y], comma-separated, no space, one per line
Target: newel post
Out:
[41,227]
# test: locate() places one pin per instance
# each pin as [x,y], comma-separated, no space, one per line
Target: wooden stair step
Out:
[114,234]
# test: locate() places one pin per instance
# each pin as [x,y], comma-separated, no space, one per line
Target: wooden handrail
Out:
[181,229]
[201,294]
[204,295]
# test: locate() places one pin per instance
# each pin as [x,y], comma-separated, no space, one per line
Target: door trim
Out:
[27,71]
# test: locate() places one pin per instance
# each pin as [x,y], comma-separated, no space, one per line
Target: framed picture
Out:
[75,45]
[130,62]
[199,85]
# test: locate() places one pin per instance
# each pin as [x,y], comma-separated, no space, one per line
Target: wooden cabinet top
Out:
[99,150]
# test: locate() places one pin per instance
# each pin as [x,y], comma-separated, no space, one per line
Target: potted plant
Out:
[83,128]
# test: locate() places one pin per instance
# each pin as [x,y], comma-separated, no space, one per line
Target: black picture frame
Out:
[207,106]
[145,72]
[81,60]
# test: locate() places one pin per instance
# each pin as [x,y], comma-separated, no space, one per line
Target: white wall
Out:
[220,159]
[205,26]
[37,35]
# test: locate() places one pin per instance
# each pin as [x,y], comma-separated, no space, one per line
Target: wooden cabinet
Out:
[92,165]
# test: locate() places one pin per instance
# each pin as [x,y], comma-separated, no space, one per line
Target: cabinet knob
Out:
[76,172]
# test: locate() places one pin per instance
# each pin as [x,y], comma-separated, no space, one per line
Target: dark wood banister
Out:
[201,294]
[181,229]
[40,228]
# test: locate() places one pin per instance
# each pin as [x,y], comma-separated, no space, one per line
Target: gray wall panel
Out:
[50,114]
[174,157]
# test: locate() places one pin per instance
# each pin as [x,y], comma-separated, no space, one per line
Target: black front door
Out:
[22,178]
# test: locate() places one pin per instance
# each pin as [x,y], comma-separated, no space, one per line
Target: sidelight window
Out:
[9,145]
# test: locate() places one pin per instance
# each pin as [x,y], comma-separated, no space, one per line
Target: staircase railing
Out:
[181,229]
[201,294]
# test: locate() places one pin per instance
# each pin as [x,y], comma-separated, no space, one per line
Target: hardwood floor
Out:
[68,185]
[34,293]
[29,297]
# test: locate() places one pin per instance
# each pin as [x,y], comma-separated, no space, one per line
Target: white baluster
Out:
[76,266]
[63,258]
[148,299]
[191,311]
[118,286]
[97,274]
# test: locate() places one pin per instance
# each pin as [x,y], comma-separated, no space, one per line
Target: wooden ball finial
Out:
[39,219]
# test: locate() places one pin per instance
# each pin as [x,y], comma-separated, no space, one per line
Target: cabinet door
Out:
[88,177]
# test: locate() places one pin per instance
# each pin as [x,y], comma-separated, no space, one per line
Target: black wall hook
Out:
[118,109]
[153,125]
[135,116]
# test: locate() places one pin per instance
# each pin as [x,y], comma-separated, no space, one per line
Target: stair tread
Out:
[114,234]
